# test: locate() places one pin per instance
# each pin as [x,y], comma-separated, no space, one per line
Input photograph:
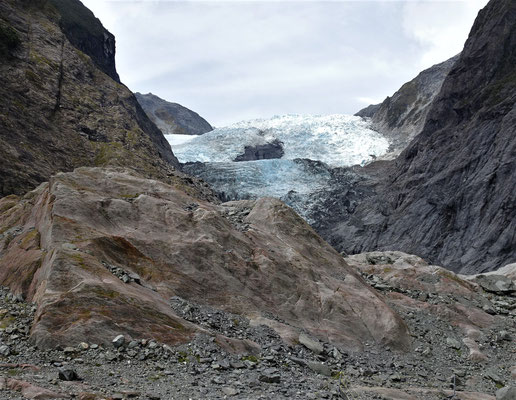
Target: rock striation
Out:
[402,116]
[62,103]
[101,251]
[449,197]
[172,118]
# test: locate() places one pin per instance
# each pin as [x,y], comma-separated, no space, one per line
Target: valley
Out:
[146,254]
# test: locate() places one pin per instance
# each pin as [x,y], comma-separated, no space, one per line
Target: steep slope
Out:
[63,244]
[450,195]
[62,104]
[402,116]
[173,118]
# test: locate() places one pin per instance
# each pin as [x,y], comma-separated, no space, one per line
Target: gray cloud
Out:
[235,60]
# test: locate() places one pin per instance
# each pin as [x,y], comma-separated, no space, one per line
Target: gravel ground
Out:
[145,369]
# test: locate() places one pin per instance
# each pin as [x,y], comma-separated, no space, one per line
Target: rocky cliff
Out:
[62,104]
[402,116]
[173,118]
[449,196]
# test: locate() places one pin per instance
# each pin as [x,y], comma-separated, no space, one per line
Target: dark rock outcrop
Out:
[402,116]
[449,197]
[65,244]
[265,151]
[87,34]
[62,105]
[173,118]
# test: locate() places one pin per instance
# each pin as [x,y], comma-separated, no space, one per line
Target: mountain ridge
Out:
[449,196]
[401,117]
[172,118]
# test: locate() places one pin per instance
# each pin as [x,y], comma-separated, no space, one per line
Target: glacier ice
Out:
[329,141]
[338,140]
[176,139]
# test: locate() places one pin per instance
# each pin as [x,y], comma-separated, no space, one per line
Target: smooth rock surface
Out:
[270,263]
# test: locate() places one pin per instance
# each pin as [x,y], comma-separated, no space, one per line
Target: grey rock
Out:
[498,284]
[118,341]
[110,356]
[68,374]
[402,116]
[493,375]
[459,172]
[4,350]
[504,336]
[270,375]
[453,343]
[319,368]
[265,151]
[506,393]
[69,350]
[312,344]
[230,391]
[237,364]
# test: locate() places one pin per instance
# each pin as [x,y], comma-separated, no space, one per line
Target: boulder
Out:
[498,284]
[270,263]
[506,393]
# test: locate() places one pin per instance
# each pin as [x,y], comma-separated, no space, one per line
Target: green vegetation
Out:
[38,59]
[455,278]
[5,322]
[251,358]
[9,40]
[106,152]
[30,237]
[13,372]
[183,357]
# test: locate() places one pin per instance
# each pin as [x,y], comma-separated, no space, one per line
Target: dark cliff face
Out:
[173,118]
[62,107]
[450,196]
[402,116]
[86,32]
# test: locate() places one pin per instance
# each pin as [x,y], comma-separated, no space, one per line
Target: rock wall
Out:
[62,105]
[449,197]
[402,116]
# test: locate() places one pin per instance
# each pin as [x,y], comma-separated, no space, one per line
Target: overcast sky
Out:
[234,60]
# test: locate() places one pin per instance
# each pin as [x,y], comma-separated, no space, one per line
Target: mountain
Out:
[402,116]
[63,105]
[449,197]
[172,118]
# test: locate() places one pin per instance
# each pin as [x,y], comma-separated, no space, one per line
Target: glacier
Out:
[338,140]
[313,145]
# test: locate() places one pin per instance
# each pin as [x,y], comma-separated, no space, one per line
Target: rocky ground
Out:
[213,367]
